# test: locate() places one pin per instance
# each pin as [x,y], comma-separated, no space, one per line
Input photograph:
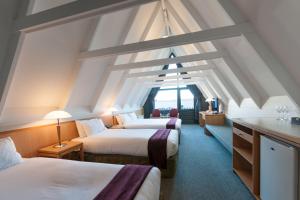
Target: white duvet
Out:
[132,142]
[46,178]
[150,123]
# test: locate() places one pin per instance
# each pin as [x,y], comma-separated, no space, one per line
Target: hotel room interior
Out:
[149,99]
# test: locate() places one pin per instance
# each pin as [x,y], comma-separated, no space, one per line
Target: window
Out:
[187,99]
[166,99]
[167,96]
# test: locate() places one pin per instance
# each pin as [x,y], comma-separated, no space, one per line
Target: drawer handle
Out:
[272,148]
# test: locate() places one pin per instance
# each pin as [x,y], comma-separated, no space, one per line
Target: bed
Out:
[128,146]
[131,121]
[47,178]
[150,123]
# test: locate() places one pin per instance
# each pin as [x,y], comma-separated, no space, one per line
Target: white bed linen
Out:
[150,123]
[132,142]
[46,178]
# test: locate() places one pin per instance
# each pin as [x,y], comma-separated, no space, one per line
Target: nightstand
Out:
[70,147]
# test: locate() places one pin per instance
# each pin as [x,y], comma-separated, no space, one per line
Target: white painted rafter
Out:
[169,71]
[175,77]
[188,38]
[217,89]
[257,96]
[133,57]
[12,44]
[90,33]
[235,95]
[167,61]
[73,11]
[107,71]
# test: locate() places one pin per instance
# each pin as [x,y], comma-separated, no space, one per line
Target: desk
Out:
[211,119]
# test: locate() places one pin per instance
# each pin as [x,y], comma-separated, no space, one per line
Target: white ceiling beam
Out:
[73,11]
[169,71]
[209,88]
[188,81]
[277,68]
[204,90]
[167,61]
[11,45]
[97,96]
[178,40]
[176,77]
[133,57]
[257,96]
[235,94]
[217,89]
[90,32]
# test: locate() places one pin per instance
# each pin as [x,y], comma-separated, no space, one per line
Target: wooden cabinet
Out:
[246,156]
[211,119]
[246,146]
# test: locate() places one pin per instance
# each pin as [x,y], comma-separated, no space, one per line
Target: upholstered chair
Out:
[155,113]
[174,113]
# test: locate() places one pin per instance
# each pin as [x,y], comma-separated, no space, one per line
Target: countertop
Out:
[279,129]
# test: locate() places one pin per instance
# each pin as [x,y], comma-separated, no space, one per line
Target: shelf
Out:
[245,136]
[246,177]
[245,153]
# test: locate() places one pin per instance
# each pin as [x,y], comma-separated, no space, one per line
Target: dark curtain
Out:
[150,103]
[199,100]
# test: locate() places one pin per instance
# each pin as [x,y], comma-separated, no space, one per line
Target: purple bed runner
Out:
[157,148]
[125,184]
[171,123]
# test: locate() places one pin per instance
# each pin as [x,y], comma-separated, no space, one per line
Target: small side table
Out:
[70,147]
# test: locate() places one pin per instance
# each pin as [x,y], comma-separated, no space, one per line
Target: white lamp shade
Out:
[57,114]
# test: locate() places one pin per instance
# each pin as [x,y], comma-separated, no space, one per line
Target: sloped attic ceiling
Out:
[50,72]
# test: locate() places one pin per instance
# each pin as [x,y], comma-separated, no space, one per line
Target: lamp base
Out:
[59,146]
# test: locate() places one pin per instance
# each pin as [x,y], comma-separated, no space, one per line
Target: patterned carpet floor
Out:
[204,170]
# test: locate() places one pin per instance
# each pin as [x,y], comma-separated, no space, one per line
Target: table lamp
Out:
[58,114]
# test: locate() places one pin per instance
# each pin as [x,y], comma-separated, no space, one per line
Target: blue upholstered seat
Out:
[223,134]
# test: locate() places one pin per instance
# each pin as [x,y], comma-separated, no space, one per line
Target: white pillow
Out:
[133,116]
[8,154]
[125,118]
[80,129]
[119,120]
[102,126]
[92,127]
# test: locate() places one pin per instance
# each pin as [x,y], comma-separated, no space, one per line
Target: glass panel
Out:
[172,66]
[187,99]
[166,99]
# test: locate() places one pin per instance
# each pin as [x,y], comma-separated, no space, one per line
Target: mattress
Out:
[132,142]
[150,123]
[46,178]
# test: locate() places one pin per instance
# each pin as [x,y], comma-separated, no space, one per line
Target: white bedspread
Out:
[46,178]
[150,123]
[132,142]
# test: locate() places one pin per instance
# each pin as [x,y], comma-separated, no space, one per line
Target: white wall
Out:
[249,109]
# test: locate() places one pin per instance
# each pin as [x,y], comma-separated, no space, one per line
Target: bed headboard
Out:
[29,140]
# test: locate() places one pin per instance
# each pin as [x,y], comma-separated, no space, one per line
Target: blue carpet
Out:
[204,170]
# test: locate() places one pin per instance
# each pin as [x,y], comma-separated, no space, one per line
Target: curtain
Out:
[150,102]
[199,100]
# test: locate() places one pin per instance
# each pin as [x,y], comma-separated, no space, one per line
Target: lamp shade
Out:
[57,114]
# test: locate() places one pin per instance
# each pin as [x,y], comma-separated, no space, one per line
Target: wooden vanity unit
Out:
[246,146]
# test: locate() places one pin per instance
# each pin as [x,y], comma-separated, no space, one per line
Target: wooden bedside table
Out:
[70,147]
